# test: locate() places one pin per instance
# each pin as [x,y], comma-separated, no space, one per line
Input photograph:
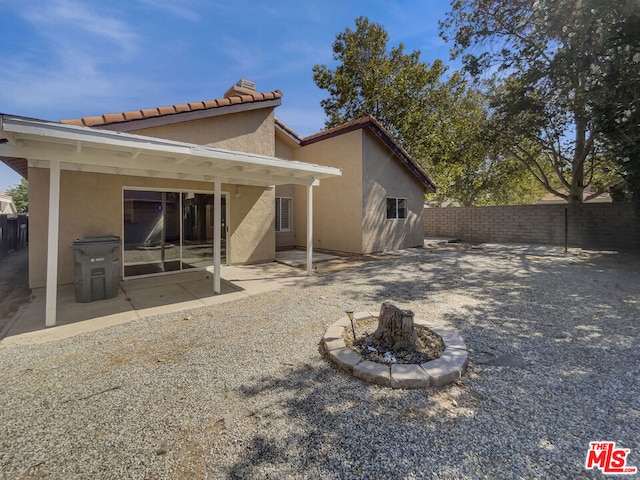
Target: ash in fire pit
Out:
[394,338]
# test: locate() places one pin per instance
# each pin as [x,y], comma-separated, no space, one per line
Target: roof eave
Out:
[181,117]
[287,131]
[158,116]
[377,128]
[102,151]
[404,157]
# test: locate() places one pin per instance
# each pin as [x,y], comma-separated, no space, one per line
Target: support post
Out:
[566,230]
[217,227]
[310,230]
[51,298]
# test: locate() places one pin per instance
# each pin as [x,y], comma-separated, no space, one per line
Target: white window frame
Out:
[396,210]
[279,214]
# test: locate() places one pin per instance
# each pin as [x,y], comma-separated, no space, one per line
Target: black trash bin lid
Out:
[106,240]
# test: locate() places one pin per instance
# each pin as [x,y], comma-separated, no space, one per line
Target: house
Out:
[160,179]
[208,183]
[7,206]
[376,205]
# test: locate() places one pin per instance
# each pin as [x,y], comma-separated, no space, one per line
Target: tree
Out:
[617,111]
[439,122]
[546,57]
[20,195]
[470,164]
[391,85]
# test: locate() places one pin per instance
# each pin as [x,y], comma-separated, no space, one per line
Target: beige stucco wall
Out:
[350,211]
[384,176]
[337,213]
[253,219]
[251,131]
[287,239]
[285,148]
[91,204]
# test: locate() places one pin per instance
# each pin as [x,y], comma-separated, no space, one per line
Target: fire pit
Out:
[394,349]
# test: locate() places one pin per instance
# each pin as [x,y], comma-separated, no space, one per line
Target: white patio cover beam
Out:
[217,227]
[51,296]
[310,229]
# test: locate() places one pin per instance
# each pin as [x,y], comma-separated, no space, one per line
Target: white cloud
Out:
[68,58]
[56,19]
[76,83]
[71,61]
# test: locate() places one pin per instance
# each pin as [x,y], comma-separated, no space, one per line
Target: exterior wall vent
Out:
[242,87]
[248,84]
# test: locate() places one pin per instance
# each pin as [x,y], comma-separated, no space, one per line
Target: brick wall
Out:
[593,226]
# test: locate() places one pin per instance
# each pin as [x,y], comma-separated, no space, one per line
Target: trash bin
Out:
[96,268]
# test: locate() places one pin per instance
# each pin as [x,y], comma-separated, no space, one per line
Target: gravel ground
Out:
[241,390]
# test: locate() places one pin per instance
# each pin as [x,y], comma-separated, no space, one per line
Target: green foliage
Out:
[548,59]
[20,195]
[371,80]
[617,101]
[441,123]
[469,164]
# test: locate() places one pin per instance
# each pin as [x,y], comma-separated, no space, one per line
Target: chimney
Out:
[242,87]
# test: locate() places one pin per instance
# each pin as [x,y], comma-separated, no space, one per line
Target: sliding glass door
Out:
[169,231]
[197,215]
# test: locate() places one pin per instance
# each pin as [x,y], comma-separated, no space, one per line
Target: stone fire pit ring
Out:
[441,371]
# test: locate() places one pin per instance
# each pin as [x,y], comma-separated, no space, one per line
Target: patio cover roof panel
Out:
[89,149]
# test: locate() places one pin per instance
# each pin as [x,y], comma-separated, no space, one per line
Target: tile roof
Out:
[340,129]
[146,113]
[288,130]
[376,127]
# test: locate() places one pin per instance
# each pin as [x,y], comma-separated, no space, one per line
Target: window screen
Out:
[396,208]
[283,214]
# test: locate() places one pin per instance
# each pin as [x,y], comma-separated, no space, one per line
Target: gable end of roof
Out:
[404,157]
[376,127]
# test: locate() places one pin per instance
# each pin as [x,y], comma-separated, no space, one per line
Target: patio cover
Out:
[59,146]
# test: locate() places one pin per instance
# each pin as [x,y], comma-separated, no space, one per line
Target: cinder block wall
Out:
[594,226]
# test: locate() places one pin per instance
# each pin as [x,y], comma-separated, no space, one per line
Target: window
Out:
[396,208]
[166,231]
[283,214]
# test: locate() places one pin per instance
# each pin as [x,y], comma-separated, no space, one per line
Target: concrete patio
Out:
[145,297]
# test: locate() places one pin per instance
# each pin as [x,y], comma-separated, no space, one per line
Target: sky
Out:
[62,59]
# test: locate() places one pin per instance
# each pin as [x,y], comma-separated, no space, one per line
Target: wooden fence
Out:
[14,232]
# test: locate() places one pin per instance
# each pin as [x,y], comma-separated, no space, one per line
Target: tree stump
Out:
[395,328]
